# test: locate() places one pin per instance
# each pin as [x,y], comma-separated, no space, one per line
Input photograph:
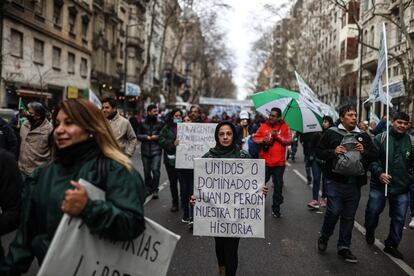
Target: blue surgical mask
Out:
[178,121]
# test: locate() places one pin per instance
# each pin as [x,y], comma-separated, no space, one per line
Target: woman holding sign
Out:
[226,147]
[84,148]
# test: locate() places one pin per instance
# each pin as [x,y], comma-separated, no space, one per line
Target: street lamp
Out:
[125,64]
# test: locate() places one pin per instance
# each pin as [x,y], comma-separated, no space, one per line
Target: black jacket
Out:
[326,151]
[8,139]
[148,127]
[10,192]
[310,142]
[252,128]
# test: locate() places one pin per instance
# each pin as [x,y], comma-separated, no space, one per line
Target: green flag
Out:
[23,107]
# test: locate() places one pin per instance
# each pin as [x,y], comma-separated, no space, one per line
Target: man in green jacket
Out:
[398,179]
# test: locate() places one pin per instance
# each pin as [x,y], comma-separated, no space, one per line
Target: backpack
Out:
[349,163]
[254,149]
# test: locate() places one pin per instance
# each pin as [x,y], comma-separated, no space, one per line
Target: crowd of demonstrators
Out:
[148,133]
[83,139]
[82,143]
[274,136]
[121,127]
[398,182]
[226,248]
[344,179]
[35,139]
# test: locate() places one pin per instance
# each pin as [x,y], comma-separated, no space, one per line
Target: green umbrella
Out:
[299,113]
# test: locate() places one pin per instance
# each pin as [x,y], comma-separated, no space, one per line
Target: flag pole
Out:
[387,105]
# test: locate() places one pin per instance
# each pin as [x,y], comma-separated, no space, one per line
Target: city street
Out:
[290,244]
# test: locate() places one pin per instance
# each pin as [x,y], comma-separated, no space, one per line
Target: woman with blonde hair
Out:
[83,147]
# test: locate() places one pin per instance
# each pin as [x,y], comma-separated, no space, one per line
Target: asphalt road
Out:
[290,244]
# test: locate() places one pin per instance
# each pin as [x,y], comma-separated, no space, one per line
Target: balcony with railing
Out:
[109,8]
[398,49]
[370,60]
[380,8]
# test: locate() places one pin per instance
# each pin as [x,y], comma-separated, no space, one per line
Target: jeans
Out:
[412,200]
[172,177]
[308,167]
[152,173]
[294,148]
[323,186]
[343,200]
[186,179]
[226,252]
[316,173]
[277,178]
[398,205]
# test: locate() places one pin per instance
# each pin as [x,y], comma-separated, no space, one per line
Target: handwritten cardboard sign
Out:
[74,251]
[195,140]
[230,201]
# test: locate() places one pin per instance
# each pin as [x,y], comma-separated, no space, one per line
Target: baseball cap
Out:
[244,114]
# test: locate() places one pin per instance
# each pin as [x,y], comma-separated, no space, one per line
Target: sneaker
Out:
[276,214]
[411,225]
[155,195]
[393,252]
[185,220]
[174,209]
[322,244]
[370,237]
[322,202]
[314,204]
[347,255]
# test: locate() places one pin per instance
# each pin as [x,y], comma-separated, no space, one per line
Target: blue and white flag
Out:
[94,99]
[376,92]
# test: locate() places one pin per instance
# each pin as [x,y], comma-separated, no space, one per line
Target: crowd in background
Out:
[77,138]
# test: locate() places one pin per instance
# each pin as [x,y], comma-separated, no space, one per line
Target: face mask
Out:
[178,121]
[31,119]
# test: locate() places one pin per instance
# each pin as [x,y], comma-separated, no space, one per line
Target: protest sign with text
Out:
[230,201]
[195,140]
[75,251]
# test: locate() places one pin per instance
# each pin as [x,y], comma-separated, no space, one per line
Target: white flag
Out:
[311,96]
[94,99]
[376,92]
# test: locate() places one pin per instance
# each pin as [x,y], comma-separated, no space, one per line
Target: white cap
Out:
[244,115]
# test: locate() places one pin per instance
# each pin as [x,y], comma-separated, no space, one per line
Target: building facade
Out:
[46,50]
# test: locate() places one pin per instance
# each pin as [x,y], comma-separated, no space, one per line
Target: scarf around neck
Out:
[77,153]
